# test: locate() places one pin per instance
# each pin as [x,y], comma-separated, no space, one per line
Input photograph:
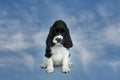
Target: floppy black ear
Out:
[49,42]
[68,42]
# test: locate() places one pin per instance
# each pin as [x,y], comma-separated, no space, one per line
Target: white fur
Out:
[58,54]
[60,57]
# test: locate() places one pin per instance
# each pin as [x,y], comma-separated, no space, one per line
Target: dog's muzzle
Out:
[58,39]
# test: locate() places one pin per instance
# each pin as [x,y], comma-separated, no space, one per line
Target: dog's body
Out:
[57,48]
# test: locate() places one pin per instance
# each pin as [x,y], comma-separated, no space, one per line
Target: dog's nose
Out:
[58,39]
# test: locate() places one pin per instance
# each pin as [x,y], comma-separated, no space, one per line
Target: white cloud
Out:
[10,25]
[104,12]
[84,55]
[14,36]
[29,61]
[91,44]
[114,64]
[60,13]
[24,59]
[87,17]
[13,42]
[112,34]
[39,38]
[16,42]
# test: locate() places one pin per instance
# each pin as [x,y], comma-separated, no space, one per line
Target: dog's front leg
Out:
[50,67]
[65,65]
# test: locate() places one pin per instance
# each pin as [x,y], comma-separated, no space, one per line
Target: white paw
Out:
[43,66]
[50,70]
[65,69]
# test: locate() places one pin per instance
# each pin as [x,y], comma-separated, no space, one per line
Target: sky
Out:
[94,28]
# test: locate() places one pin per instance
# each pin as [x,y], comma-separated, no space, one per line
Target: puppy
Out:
[58,44]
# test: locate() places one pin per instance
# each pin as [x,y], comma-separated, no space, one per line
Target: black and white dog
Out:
[57,48]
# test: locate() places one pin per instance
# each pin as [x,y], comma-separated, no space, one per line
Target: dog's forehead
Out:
[59,28]
[61,23]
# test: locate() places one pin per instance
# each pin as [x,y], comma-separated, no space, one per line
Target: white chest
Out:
[58,54]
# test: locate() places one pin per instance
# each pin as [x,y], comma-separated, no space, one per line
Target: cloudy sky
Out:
[94,27]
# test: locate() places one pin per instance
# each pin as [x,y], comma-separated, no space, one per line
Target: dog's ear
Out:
[49,42]
[68,42]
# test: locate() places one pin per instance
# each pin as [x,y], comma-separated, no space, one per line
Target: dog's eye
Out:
[62,30]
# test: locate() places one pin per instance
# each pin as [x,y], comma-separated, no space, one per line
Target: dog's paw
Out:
[50,70]
[43,66]
[65,69]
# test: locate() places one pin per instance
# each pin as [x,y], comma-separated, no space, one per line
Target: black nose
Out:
[58,39]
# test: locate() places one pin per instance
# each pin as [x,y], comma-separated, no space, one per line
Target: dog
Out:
[58,44]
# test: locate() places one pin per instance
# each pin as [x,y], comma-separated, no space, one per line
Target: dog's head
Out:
[59,34]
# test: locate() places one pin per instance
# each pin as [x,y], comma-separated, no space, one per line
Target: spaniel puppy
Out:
[57,48]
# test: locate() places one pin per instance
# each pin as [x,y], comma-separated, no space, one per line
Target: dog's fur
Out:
[57,48]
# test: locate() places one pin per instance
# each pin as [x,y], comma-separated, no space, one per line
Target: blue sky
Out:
[94,27]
